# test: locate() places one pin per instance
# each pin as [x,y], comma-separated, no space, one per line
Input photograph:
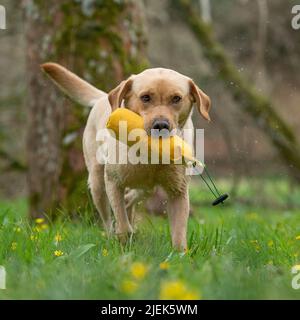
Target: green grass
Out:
[235,252]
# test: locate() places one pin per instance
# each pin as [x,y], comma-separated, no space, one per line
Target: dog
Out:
[164,99]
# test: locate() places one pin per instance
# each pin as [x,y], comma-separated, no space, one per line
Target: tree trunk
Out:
[103,42]
[256,105]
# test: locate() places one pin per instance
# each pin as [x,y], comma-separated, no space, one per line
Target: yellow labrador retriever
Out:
[164,98]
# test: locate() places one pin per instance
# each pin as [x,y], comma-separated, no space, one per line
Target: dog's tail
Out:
[73,86]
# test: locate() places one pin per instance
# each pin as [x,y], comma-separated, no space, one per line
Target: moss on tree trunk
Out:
[103,42]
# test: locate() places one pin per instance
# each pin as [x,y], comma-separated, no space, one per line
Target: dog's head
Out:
[163,97]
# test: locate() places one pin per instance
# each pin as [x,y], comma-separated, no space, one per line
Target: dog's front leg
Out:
[178,215]
[116,198]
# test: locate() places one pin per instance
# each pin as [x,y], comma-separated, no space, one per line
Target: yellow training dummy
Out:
[177,149]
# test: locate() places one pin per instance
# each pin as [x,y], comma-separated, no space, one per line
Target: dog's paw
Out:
[125,237]
[124,234]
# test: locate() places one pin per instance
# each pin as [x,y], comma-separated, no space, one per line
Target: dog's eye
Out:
[176,99]
[145,98]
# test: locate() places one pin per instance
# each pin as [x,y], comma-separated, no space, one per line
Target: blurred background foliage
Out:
[106,41]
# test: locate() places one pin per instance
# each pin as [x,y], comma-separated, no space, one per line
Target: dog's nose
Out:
[161,124]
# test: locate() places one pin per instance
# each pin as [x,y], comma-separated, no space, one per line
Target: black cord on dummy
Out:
[220,198]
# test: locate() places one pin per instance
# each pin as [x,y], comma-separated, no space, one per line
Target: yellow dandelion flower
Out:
[17,229]
[39,220]
[14,246]
[41,227]
[252,216]
[104,252]
[172,290]
[33,237]
[164,265]
[298,237]
[44,226]
[129,286]
[255,244]
[270,243]
[58,237]
[138,270]
[176,290]
[191,295]
[58,253]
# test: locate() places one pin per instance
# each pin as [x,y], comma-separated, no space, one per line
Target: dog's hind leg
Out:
[100,199]
[132,197]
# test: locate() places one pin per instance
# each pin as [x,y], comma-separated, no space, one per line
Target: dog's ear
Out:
[119,93]
[201,99]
